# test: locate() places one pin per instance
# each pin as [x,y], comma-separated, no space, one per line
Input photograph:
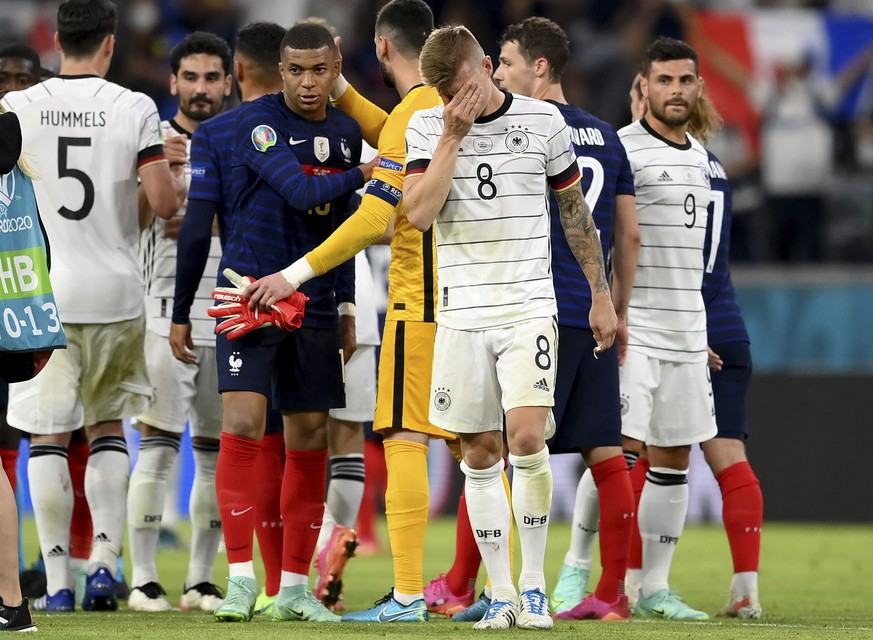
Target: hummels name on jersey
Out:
[82,119]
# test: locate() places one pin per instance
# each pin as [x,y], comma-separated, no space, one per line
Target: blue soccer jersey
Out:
[724,320]
[292,179]
[211,151]
[606,173]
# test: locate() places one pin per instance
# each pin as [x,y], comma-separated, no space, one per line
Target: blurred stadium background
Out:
[793,80]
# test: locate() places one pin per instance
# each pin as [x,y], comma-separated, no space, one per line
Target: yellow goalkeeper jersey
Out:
[412,273]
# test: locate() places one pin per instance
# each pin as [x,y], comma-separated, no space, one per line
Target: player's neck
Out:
[406,76]
[495,100]
[185,122]
[253,92]
[673,133]
[81,67]
[549,91]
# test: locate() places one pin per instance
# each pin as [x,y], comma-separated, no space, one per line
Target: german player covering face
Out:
[201,86]
[308,75]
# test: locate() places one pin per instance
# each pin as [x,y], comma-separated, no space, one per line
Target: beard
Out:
[673,120]
[387,76]
[198,110]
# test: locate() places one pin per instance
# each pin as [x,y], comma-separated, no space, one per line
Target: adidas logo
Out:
[665,177]
[541,384]
[57,551]
[101,537]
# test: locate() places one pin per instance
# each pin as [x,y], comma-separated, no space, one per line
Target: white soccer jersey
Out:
[87,137]
[666,318]
[159,271]
[493,248]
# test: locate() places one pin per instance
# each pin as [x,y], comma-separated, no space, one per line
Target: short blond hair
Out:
[445,52]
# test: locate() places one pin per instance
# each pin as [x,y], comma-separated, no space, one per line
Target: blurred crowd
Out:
[801,167]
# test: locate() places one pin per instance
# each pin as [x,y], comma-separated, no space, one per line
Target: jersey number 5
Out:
[65,171]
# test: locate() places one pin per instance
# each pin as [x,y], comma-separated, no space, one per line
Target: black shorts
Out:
[587,405]
[729,387]
[297,371]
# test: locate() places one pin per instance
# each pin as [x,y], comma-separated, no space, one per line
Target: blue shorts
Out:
[587,405]
[297,371]
[729,387]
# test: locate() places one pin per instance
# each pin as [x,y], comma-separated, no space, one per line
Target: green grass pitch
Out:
[816,582]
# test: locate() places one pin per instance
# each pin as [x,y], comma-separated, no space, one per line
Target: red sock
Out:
[375,480]
[303,493]
[268,470]
[616,523]
[743,514]
[9,458]
[237,491]
[461,578]
[81,529]
[638,481]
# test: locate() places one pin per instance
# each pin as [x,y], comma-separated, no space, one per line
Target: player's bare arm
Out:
[425,194]
[626,238]
[582,237]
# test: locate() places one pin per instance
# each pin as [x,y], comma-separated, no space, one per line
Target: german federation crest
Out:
[517,141]
[263,137]
[322,148]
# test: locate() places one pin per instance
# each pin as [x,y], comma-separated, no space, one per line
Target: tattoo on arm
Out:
[582,237]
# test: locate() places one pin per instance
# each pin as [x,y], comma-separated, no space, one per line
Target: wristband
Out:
[338,90]
[298,273]
[346,309]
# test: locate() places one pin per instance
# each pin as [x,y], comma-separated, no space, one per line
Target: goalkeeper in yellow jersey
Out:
[403,394]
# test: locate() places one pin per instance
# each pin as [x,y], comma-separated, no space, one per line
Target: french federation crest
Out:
[263,137]
[322,148]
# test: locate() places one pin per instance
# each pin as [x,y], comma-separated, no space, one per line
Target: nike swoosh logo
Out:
[660,612]
[390,617]
[299,614]
[234,512]
[292,141]
[314,526]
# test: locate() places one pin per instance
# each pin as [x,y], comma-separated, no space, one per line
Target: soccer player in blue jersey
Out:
[587,411]
[256,69]
[730,363]
[294,166]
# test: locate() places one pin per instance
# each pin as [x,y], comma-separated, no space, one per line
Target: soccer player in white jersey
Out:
[666,392]
[201,80]
[478,167]
[90,140]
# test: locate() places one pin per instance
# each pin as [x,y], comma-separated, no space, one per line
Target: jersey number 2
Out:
[65,171]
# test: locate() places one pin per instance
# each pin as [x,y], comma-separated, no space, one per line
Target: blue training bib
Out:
[29,319]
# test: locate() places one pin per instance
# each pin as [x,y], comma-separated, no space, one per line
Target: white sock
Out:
[346,488]
[407,599]
[289,579]
[106,479]
[145,503]
[326,531]
[170,519]
[531,504]
[52,495]
[488,509]
[205,518]
[745,583]
[241,569]
[661,517]
[586,522]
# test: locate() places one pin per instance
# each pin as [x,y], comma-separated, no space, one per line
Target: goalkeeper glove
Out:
[239,320]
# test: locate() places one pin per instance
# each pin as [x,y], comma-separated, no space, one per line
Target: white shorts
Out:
[182,391]
[480,375]
[360,373]
[100,376]
[666,404]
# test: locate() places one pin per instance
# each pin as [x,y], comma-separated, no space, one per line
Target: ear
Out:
[489,66]
[541,68]
[174,89]
[57,42]
[109,45]
[644,88]
[382,47]
[228,84]
[239,70]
